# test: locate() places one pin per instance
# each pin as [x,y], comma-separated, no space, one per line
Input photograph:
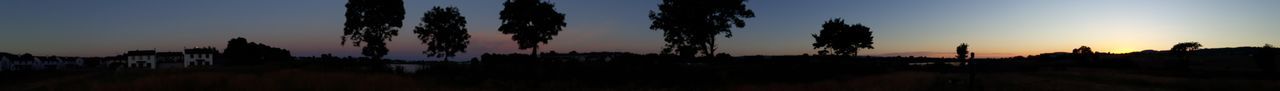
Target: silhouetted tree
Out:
[843,39]
[973,55]
[1084,53]
[444,32]
[238,52]
[1265,58]
[962,50]
[242,52]
[530,22]
[1183,51]
[372,22]
[1082,50]
[1185,47]
[690,26]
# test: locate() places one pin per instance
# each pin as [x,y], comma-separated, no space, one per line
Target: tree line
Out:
[689,27]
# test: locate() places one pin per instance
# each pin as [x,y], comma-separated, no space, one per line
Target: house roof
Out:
[140,52]
[48,58]
[207,50]
[169,54]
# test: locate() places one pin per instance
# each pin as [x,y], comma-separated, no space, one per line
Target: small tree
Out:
[444,32]
[843,39]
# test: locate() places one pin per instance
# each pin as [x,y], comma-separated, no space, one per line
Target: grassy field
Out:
[308,79]
[197,80]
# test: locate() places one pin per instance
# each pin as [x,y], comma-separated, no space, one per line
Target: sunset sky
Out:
[992,28]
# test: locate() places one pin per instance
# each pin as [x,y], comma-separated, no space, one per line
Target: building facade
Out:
[141,59]
[192,57]
[199,56]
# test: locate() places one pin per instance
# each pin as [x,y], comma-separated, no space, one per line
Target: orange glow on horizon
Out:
[1121,50]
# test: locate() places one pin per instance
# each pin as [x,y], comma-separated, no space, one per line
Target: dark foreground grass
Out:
[202,80]
[361,79]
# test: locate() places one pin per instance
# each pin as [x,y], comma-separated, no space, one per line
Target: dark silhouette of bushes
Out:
[241,52]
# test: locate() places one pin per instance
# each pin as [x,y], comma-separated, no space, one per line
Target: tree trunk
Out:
[711,48]
[534,53]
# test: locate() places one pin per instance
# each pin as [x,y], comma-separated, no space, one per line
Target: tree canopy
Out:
[1082,50]
[843,39]
[530,22]
[372,22]
[1185,46]
[444,31]
[690,26]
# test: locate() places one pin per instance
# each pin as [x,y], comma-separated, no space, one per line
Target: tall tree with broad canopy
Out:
[530,22]
[843,39]
[372,22]
[690,26]
[444,31]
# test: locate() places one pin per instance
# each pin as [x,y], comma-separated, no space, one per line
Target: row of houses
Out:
[151,59]
[11,63]
[137,59]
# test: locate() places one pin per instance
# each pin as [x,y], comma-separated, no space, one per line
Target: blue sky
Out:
[993,28]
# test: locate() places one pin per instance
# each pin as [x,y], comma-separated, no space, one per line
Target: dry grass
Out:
[279,80]
[1117,80]
[292,79]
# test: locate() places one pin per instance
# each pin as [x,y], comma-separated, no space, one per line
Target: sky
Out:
[992,28]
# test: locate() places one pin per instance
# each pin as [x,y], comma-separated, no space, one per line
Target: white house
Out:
[191,57]
[142,59]
[199,56]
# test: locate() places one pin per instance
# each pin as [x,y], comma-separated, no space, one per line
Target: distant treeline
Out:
[241,52]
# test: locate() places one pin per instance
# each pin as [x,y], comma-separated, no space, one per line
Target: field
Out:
[354,78]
